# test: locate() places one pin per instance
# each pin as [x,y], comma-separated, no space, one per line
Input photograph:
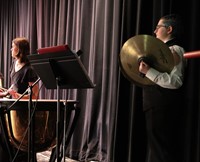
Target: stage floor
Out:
[44,157]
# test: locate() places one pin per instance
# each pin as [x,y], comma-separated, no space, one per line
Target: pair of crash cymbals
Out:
[149,49]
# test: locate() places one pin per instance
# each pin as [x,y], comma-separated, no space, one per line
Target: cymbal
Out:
[148,48]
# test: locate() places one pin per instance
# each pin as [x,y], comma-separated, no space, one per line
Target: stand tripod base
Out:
[69,129]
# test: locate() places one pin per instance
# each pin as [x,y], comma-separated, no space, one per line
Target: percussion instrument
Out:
[148,49]
[17,122]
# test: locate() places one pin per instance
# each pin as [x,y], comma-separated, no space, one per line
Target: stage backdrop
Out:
[111,125]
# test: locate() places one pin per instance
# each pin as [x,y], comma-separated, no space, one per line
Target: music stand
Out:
[59,68]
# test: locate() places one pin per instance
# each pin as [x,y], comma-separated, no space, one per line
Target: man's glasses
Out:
[159,26]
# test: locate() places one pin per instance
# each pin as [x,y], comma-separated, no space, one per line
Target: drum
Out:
[44,127]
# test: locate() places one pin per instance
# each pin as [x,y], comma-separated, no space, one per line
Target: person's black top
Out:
[158,97]
[21,78]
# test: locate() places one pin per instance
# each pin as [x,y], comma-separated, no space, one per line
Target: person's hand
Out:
[12,92]
[143,67]
[3,94]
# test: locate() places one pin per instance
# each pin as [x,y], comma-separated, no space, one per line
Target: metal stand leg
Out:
[5,135]
[68,131]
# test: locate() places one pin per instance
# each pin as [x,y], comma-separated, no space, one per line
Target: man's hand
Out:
[143,67]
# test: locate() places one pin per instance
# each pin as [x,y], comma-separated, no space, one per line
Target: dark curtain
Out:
[111,126]
[141,17]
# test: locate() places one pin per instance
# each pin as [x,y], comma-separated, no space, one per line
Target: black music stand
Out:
[59,68]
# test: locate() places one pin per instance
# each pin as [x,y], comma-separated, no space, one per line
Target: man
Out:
[163,102]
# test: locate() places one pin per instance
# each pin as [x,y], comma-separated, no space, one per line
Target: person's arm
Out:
[172,80]
[35,92]
[3,94]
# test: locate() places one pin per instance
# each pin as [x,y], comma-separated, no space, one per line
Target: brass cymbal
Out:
[147,48]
